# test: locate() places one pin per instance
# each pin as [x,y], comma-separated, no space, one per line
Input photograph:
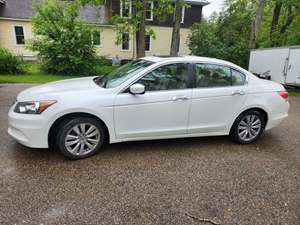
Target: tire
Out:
[79,138]
[248,127]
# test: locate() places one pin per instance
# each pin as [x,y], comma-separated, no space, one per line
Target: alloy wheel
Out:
[249,127]
[82,139]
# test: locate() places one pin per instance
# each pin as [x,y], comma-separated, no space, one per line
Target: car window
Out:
[237,78]
[122,74]
[208,75]
[168,77]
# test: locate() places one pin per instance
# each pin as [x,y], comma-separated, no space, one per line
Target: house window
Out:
[182,14]
[125,41]
[19,35]
[125,8]
[149,11]
[96,37]
[147,42]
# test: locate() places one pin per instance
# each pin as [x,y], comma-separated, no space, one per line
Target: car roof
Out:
[157,59]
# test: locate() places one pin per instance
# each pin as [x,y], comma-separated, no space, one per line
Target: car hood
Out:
[58,87]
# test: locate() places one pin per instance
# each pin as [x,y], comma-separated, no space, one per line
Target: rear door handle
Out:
[180,98]
[239,92]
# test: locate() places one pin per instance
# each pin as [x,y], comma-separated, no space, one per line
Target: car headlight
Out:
[33,107]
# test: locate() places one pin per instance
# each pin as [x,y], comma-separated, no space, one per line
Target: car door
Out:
[161,111]
[219,94]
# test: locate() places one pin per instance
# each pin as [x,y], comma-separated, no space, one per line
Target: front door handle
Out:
[180,98]
[238,92]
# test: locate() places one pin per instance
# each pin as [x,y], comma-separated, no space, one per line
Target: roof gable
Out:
[22,9]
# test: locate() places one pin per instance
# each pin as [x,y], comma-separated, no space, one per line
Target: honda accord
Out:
[149,98]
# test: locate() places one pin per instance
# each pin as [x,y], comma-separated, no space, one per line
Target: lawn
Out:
[294,92]
[34,75]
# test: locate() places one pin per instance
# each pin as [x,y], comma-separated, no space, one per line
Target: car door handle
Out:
[180,98]
[239,92]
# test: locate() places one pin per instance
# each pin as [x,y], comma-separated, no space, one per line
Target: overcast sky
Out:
[215,5]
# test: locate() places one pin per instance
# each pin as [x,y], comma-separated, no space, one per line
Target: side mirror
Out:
[137,89]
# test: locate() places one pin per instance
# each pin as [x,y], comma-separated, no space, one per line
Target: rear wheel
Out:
[80,138]
[248,127]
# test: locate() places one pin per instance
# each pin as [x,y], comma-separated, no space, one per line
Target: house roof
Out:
[22,9]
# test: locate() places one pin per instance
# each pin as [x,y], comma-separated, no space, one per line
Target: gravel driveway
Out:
[182,181]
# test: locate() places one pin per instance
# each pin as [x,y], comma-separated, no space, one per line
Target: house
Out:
[16,28]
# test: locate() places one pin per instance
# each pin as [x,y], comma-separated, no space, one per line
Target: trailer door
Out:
[293,73]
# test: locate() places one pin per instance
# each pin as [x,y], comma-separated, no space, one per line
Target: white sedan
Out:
[149,98]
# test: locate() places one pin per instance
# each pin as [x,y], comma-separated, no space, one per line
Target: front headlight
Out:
[33,107]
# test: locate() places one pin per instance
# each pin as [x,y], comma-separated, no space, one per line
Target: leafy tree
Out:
[135,23]
[225,35]
[203,40]
[280,26]
[62,39]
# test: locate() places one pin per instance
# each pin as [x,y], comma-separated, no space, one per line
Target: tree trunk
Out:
[108,8]
[289,18]
[256,23]
[275,20]
[141,32]
[175,42]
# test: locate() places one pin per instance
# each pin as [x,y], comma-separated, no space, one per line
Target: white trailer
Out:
[281,65]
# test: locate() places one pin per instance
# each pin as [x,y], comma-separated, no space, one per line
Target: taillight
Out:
[284,94]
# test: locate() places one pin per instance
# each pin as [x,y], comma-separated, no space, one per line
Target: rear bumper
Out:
[275,121]
[28,130]
[279,113]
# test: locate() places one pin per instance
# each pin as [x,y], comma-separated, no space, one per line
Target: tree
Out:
[281,19]
[175,42]
[62,40]
[135,23]
[256,23]
[203,40]
[290,16]
[275,20]
[141,31]
[225,35]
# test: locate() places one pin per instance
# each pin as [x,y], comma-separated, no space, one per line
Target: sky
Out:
[215,5]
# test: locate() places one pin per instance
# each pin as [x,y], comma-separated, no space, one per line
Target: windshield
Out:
[122,74]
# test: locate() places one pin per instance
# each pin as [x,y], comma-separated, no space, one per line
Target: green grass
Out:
[35,75]
[294,93]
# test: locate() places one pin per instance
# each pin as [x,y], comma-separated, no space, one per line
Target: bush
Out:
[105,69]
[103,61]
[10,63]
[63,41]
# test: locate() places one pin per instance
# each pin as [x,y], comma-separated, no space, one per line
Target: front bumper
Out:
[28,130]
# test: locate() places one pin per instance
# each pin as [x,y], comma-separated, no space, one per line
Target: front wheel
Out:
[248,127]
[80,138]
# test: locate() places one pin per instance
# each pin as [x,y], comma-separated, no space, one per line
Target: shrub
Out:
[102,70]
[103,61]
[10,63]
[63,41]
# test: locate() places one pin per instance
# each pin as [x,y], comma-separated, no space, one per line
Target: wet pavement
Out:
[180,181]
